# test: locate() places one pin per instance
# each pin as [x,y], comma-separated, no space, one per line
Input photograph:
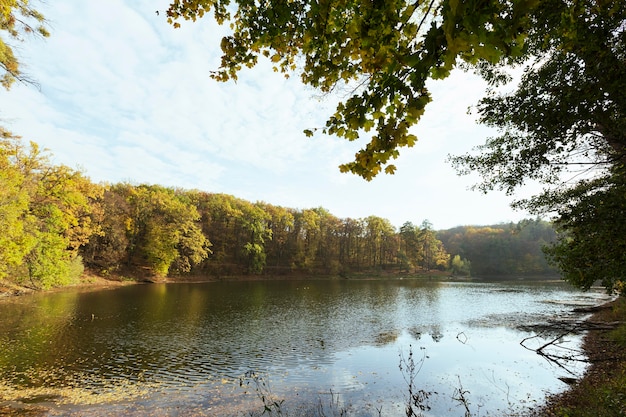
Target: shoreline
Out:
[607,360]
[606,357]
[91,281]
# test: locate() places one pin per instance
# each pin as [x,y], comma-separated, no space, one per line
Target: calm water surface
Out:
[212,349]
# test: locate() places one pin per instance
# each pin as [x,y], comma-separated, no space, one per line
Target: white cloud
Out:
[127,97]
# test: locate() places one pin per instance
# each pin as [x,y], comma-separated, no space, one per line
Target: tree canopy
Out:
[383,51]
[56,222]
[567,111]
[17,19]
[564,126]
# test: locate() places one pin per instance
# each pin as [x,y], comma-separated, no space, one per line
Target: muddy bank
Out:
[87,282]
[607,360]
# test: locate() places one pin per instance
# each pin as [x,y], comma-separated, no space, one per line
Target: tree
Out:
[568,110]
[163,230]
[254,232]
[592,243]
[15,242]
[60,205]
[44,213]
[412,252]
[434,253]
[460,266]
[565,126]
[504,249]
[383,51]
[281,225]
[106,251]
[17,18]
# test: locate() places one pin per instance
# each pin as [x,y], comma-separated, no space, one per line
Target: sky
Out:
[125,97]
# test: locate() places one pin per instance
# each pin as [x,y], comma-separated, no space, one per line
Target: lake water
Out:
[218,349]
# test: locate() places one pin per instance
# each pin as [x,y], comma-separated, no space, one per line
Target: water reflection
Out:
[190,344]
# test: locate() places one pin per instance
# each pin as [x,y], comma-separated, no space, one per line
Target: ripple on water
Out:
[188,346]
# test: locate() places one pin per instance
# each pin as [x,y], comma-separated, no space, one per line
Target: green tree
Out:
[61,206]
[591,245]
[411,252]
[15,241]
[460,266]
[17,19]
[564,126]
[281,224]
[220,216]
[163,229]
[385,51]
[434,254]
[254,233]
[45,213]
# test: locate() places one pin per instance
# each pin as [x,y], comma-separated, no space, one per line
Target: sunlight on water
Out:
[213,349]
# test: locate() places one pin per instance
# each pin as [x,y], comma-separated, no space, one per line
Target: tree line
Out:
[56,222]
[560,124]
[501,250]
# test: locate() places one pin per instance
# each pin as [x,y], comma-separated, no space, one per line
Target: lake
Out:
[229,348]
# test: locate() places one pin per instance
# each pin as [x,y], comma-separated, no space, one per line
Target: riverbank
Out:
[599,393]
[602,390]
[87,282]
[91,281]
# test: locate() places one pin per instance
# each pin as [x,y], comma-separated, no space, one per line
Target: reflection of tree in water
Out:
[385,338]
[434,332]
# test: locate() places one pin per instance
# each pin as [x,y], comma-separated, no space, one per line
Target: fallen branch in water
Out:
[576,356]
[566,328]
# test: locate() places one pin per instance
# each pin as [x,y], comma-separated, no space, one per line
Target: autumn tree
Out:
[410,251]
[46,215]
[107,251]
[567,113]
[422,248]
[435,255]
[163,229]
[15,241]
[502,249]
[381,246]
[351,246]
[61,206]
[17,19]
[384,51]
[281,223]
[307,236]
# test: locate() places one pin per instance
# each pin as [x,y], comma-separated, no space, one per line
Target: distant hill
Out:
[502,249]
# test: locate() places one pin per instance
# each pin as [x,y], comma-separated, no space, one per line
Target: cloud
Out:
[129,98]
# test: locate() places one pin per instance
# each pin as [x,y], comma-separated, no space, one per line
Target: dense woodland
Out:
[561,124]
[503,249]
[56,223]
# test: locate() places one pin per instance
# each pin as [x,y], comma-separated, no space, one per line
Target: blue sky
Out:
[125,97]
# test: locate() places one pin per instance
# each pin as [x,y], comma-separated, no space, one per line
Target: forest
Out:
[57,224]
